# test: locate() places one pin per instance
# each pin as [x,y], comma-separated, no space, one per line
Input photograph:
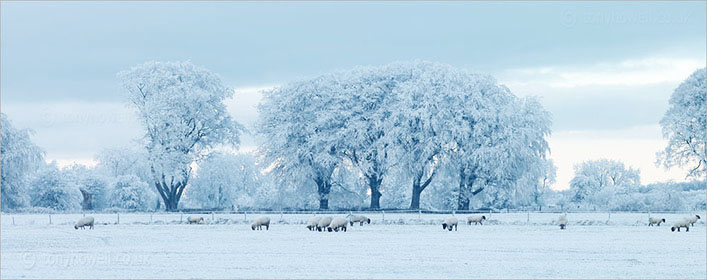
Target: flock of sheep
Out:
[330,224]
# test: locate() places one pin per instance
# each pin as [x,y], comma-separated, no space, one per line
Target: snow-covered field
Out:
[514,245]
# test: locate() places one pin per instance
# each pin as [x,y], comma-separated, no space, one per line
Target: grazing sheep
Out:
[681,223]
[476,219]
[195,220]
[693,219]
[358,219]
[337,224]
[85,221]
[450,223]
[312,225]
[652,221]
[562,221]
[260,222]
[324,223]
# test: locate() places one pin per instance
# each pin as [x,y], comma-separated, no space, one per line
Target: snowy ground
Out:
[513,245]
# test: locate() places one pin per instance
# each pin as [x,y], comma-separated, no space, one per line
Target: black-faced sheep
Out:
[476,219]
[358,219]
[337,224]
[655,221]
[195,220]
[83,222]
[313,222]
[260,222]
[450,223]
[693,219]
[324,223]
[562,221]
[681,223]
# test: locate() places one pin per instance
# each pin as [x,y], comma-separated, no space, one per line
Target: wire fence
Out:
[402,217]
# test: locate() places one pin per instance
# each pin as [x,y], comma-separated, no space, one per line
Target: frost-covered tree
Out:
[182,111]
[301,123]
[20,157]
[684,125]
[449,115]
[129,192]
[420,121]
[93,185]
[54,189]
[127,160]
[593,176]
[371,97]
[497,137]
[547,173]
[226,181]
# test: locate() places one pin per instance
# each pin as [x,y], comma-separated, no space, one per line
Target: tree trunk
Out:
[323,203]
[172,192]
[418,186]
[415,202]
[463,200]
[466,184]
[374,182]
[86,203]
[323,189]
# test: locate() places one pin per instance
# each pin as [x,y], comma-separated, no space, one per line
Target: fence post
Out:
[212,216]
[180,217]
[609,217]
[13,221]
[280,215]
[245,216]
[150,217]
[528,221]
[118,215]
[419,214]
[383,214]
[50,219]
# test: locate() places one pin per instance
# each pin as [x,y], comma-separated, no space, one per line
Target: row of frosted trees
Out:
[417,117]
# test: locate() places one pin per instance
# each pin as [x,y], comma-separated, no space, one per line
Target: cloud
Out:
[632,72]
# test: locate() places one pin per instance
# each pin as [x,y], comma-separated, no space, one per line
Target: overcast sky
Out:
[604,70]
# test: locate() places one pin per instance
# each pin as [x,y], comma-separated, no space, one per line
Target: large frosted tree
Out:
[181,109]
[497,137]
[20,157]
[301,125]
[422,114]
[371,98]
[684,125]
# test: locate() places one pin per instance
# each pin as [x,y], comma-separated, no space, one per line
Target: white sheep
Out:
[562,221]
[681,223]
[337,224]
[450,223]
[313,222]
[476,219]
[85,221]
[260,222]
[324,223]
[652,221]
[693,219]
[358,219]
[195,220]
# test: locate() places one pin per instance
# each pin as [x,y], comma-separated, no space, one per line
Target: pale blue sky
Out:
[605,70]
